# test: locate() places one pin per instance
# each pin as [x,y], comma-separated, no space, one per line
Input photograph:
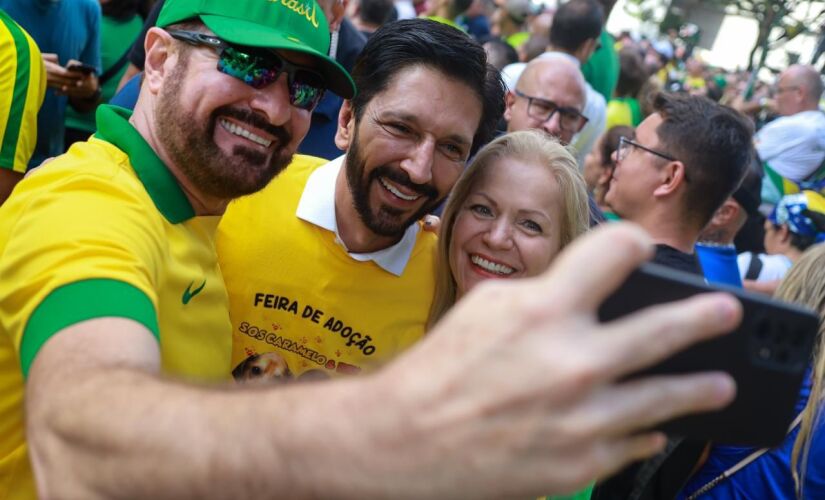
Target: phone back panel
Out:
[767,355]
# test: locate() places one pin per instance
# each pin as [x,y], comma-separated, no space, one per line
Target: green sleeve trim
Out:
[8,147]
[81,301]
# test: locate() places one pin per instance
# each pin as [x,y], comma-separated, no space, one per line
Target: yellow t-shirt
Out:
[300,305]
[104,231]
[22,87]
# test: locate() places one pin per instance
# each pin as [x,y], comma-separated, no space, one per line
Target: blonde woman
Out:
[515,207]
[800,459]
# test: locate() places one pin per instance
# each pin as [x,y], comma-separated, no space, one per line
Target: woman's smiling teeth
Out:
[235,129]
[396,192]
[491,266]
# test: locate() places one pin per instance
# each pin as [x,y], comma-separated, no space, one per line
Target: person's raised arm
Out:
[515,393]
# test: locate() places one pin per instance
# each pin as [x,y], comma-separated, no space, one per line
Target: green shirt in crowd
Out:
[602,69]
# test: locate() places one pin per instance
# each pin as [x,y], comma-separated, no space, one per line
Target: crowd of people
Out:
[355,248]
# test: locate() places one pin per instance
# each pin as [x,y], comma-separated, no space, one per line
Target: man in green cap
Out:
[114,317]
[227,97]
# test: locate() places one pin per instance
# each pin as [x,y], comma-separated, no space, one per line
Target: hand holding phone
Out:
[767,355]
[79,67]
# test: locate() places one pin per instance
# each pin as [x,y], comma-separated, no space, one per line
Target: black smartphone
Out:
[767,355]
[86,69]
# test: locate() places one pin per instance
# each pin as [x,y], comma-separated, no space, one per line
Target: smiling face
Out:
[227,138]
[509,226]
[408,148]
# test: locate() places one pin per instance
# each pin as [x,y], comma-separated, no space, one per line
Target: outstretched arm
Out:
[515,393]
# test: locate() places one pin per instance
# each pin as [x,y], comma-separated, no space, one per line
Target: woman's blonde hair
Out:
[805,284]
[529,146]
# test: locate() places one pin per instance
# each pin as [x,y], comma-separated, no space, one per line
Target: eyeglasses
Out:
[570,120]
[625,145]
[259,67]
[781,90]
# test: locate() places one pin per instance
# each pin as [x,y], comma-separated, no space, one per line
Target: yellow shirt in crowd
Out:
[104,231]
[301,306]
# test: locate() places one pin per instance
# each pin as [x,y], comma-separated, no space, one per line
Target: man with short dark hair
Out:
[426,101]
[685,160]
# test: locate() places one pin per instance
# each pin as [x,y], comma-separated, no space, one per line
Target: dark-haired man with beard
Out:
[328,266]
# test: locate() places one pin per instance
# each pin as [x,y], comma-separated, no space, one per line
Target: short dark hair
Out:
[714,143]
[575,22]
[411,42]
[499,52]
[376,12]
[632,73]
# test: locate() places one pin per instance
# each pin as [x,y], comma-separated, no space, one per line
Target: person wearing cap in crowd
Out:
[346,44]
[115,330]
[716,249]
[22,87]
[792,147]
[344,236]
[573,36]
[130,212]
[796,223]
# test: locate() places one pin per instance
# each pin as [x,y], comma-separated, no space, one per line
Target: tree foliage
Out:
[778,20]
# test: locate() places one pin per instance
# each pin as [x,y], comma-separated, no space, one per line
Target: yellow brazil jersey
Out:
[104,231]
[300,305]
[22,87]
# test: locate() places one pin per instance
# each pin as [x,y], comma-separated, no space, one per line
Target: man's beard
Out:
[191,146]
[383,220]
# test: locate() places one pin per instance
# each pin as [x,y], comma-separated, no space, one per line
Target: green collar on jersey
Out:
[113,126]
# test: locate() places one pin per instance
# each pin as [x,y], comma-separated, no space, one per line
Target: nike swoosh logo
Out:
[188,294]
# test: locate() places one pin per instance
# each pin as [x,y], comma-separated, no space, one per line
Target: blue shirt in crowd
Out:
[719,264]
[70,29]
[769,476]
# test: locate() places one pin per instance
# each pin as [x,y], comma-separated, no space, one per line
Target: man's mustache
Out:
[255,120]
[401,177]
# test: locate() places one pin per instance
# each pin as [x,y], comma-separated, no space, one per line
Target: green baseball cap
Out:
[298,25]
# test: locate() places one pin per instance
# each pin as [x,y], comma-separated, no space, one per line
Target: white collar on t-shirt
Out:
[317,206]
